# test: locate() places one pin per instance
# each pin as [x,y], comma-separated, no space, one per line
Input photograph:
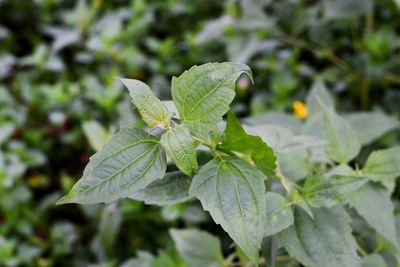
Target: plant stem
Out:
[365,85]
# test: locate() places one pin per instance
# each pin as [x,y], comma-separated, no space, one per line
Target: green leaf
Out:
[342,9]
[397,2]
[323,191]
[108,229]
[325,241]
[343,144]
[276,118]
[373,203]
[374,260]
[294,165]
[153,111]
[198,248]
[236,139]
[172,189]
[283,140]
[181,148]
[96,134]
[369,126]
[143,259]
[279,214]
[233,192]
[203,93]
[130,161]
[383,165]
[318,93]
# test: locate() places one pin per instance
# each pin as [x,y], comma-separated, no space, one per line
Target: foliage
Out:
[60,101]
[314,227]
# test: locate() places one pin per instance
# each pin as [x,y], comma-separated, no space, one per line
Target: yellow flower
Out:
[300,110]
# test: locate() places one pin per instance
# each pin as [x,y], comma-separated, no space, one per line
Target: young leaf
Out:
[233,192]
[236,139]
[279,214]
[130,161]
[181,148]
[325,241]
[343,144]
[383,164]
[203,93]
[198,248]
[371,125]
[323,191]
[172,189]
[153,111]
[373,203]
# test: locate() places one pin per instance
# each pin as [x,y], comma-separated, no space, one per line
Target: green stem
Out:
[365,85]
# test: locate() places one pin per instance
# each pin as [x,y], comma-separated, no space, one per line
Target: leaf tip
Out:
[67,199]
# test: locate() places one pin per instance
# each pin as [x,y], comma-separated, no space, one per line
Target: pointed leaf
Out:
[153,111]
[279,214]
[172,189]
[325,241]
[236,139]
[181,148]
[383,164]
[198,248]
[371,125]
[373,203]
[318,92]
[323,191]
[203,93]
[343,144]
[130,161]
[233,192]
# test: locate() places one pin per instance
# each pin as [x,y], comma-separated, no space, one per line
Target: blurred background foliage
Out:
[58,63]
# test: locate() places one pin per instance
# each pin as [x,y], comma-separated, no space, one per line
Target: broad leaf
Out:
[153,111]
[318,93]
[203,93]
[371,125]
[294,165]
[130,161]
[283,140]
[323,191]
[198,248]
[233,192]
[276,118]
[279,214]
[374,260]
[325,241]
[343,144]
[236,139]
[373,203]
[181,148]
[172,189]
[383,164]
